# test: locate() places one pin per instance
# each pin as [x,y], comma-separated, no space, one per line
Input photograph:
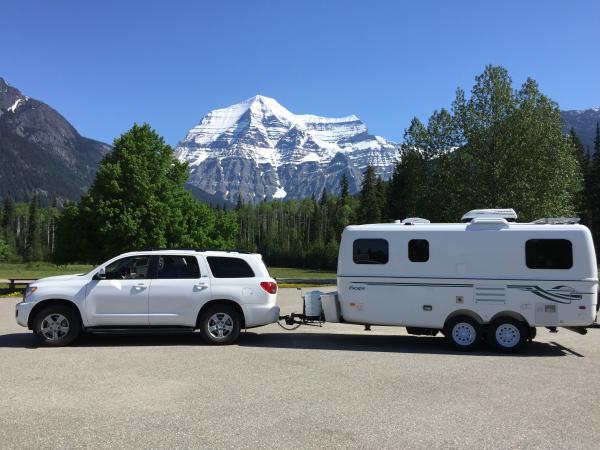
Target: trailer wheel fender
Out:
[514,315]
[464,312]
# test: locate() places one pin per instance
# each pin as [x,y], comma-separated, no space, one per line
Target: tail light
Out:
[269,286]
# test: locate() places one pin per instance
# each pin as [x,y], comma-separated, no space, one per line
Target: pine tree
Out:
[583,200]
[370,207]
[344,190]
[137,201]
[594,192]
[33,243]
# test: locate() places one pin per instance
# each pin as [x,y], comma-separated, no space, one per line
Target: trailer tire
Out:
[463,333]
[507,334]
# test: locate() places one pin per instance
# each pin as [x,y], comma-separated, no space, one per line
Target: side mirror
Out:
[101,274]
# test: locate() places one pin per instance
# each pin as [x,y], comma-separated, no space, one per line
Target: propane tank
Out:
[312,304]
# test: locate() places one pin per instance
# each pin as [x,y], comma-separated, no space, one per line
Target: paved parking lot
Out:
[335,386]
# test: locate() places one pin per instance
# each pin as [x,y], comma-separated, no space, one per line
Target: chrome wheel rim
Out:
[508,335]
[54,326]
[464,333]
[220,325]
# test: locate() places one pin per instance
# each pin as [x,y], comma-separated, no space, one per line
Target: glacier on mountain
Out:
[257,149]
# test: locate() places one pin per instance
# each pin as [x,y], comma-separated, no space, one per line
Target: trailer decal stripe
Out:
[371,283]
[558,294]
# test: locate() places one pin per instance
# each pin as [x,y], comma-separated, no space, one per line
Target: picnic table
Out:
[16,284]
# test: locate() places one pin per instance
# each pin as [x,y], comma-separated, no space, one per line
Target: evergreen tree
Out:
[498,148]
[3,249]
[137,201]
[594,192]
[33,244]
[370,206]
[407,186]
[8,217]
[344,190]
[345,212]
[583,200]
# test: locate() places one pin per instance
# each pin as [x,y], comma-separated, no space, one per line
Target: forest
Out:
[496,147]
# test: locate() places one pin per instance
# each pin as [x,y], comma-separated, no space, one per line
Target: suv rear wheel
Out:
[220,324]
[56,326]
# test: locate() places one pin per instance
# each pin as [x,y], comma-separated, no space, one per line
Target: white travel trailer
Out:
[487,279]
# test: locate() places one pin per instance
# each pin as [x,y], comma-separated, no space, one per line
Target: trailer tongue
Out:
[317,307]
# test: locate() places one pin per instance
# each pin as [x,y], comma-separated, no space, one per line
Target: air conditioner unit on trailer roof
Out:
[508,213]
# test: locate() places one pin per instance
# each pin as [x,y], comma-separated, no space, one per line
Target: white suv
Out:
[218,293]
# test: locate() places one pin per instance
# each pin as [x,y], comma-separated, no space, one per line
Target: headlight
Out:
[30,290]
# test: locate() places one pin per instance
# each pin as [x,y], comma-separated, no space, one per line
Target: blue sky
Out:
[107,64]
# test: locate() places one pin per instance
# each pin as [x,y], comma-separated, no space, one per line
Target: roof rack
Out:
[557,220]
[151,249]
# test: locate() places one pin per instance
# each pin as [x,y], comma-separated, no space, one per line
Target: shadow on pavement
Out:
[387,343]
[291,340]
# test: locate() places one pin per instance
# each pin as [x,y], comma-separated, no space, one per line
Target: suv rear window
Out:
[549,254]
[226,267]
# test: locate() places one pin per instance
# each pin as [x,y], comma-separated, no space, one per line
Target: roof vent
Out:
[509,214]
[414,221]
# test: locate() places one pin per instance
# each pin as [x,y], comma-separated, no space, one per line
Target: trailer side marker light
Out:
[582,307]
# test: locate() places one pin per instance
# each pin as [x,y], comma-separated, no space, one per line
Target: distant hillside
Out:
[41,152]
[584,121]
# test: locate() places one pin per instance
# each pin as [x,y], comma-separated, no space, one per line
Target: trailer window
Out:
[418,250]
[549,254]
[370,251]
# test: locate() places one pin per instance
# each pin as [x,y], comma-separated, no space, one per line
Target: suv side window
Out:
[173,267]
[226,267]
[130,268]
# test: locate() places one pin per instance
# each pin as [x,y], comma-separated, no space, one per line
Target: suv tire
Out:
[220,324]
[56,326]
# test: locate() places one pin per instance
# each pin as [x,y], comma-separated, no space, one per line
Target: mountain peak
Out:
[259,149]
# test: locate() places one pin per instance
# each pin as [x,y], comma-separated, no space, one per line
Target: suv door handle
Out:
[140,286]
[200,286]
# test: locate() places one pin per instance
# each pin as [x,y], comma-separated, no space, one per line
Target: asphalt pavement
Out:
[335,386]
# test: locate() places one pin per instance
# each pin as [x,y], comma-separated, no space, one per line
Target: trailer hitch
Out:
[294,320]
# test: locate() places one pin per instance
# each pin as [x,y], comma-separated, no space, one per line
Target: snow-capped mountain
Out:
[260,150]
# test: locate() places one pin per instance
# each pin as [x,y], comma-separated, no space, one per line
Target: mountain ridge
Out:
[32,132]
[257,149]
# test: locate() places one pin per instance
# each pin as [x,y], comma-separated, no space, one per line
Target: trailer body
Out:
[421,275]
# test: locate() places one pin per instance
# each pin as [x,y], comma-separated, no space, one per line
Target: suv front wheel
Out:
[56,326]
[220,324]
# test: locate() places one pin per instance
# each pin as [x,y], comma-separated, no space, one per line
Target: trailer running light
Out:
[582,307]
[269,286]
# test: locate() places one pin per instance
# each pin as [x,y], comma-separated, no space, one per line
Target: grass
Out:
[45,269]
[288,272]
[39,270]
